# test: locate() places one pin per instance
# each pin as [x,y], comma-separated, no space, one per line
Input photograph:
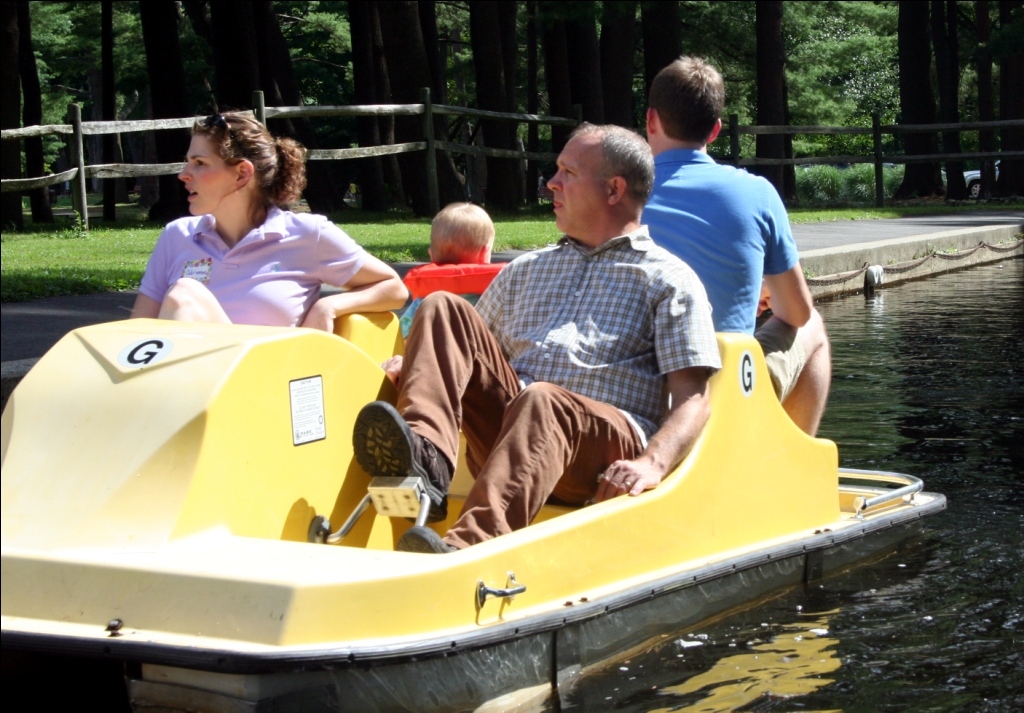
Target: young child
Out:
[461,238]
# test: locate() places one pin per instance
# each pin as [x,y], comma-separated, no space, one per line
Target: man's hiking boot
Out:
[423,539]
[385,446]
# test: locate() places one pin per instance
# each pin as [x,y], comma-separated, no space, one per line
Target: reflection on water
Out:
[794,662]
[928,379]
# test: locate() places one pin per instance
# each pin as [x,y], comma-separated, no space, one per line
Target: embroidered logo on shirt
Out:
[198,269]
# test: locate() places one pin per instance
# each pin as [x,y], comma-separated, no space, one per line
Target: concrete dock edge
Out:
[833,262]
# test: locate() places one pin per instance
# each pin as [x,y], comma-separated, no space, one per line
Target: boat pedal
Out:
[402,496]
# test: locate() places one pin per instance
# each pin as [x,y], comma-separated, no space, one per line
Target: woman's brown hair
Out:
[280,163]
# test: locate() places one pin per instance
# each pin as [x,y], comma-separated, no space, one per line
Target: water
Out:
[928,380]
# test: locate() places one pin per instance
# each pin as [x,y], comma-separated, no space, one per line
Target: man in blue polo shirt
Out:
[731,227]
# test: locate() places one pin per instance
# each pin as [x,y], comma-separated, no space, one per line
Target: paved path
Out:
[838,233]
[29,329]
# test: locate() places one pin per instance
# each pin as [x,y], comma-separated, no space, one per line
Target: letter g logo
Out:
[145,352]
[747,373]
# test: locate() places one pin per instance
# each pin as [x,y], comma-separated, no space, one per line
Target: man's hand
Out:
[667,448]
[627,476]
[393,369]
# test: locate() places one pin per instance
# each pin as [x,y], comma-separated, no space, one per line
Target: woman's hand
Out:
[321,316]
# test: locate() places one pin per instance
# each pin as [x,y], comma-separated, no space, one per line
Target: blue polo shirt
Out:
[728,225]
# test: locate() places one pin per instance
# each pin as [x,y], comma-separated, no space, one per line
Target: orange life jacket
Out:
[463,279]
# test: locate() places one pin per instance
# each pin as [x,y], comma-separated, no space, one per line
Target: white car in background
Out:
[973,180]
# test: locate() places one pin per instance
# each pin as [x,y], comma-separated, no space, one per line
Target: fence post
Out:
[734,138]
[876,130]
[428,130]
[577,113]
[78,196]
[259,107]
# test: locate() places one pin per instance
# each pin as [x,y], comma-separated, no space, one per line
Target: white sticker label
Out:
[747,373]
[307,397]
[145,352]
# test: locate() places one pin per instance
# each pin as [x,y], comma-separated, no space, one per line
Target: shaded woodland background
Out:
[821,63]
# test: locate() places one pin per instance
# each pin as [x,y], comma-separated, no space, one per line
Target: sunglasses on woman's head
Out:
[216,121]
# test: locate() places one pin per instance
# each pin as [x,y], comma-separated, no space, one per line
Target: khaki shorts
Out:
[783,355]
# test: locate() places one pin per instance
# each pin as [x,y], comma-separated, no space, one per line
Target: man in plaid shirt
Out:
[558,377]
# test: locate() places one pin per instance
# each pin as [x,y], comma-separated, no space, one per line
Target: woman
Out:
[241,258]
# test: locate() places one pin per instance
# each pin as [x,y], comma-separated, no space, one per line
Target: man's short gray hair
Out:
[625,154]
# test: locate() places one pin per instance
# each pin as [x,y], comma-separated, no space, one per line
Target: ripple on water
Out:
[928,380]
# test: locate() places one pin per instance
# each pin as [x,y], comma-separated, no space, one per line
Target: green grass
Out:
[72,262]
[47,260]
[818,214]
[408,240]
[42,261]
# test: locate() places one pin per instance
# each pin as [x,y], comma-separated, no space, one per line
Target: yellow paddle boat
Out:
[184,498]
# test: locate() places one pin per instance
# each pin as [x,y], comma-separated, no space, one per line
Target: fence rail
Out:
[877,158]
[76,130]
[886,129]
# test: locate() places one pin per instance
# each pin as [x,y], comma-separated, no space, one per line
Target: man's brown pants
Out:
[524,445]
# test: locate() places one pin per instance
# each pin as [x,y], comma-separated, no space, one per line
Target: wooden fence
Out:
[735,130]
[76,129]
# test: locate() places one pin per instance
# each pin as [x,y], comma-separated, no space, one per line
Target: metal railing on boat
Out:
[861,503]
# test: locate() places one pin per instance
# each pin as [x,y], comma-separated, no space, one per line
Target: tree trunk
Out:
[618,47]
[277,78]
[32,114]
[556,72]
[508,14]
[663,37]
[407,60]
[435,58]
[93,111]
[485,36]
[371,173]
[10,113]
[392,170]
[947,71]
[169,97]
[198,12]
[789,171]
[407,72]
[508,17]
[917,104]
[236,65]
[585,61]
[771,83]
[986,105]
[532,138]
[1011,106]
[109,104]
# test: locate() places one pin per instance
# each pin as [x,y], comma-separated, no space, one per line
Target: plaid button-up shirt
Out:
[607,324]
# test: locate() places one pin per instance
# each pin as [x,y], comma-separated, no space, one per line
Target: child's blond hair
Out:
[459,234]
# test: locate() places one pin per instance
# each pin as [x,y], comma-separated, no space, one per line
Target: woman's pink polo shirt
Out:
[271,277]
